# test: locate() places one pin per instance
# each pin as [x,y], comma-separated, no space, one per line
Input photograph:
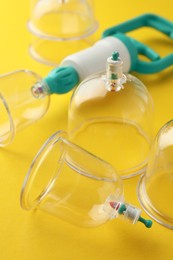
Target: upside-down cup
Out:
[60,28]
[111,115]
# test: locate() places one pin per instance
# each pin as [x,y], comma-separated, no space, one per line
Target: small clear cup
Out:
[70,183]
[155,189]
[18,106]
[59,28]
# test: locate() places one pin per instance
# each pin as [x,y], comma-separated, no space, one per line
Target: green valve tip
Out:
[148,223]
[115,55]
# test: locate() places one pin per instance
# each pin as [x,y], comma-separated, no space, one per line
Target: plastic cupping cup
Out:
[155,189]
[68,182]
[19,105]
[59,28]
[111,115]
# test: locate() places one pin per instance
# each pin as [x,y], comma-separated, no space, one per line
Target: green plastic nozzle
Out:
[131,215]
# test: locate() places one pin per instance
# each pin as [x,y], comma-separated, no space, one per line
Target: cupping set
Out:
[78,176]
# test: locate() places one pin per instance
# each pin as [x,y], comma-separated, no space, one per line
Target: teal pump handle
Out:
[150,20]
[159,23]
[76,67]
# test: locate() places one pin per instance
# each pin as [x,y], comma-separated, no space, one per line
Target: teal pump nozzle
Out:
[62,80]
[59,81]
[78,66]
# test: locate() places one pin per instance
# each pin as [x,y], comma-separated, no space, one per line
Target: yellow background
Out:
[36,235]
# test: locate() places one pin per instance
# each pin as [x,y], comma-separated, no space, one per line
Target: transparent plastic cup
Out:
[155,189]
[60,26]
[70,183]
[111,115]
[18,106]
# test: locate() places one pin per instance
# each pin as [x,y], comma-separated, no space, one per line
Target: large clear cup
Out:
[70,183]
[60,28]
[155,189]
[113,118]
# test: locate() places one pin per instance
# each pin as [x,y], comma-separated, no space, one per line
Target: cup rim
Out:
[35,54]
[34,30]
[24,196]
[148,208]
[11,123]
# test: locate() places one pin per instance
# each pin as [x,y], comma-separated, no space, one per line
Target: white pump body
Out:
[100,51]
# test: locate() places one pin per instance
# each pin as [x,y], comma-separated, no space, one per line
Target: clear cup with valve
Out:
[111,115]
[74,185]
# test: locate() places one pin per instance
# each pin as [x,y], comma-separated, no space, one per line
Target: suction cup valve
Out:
[111,115]
[76,186]
[155,189]
[59,28]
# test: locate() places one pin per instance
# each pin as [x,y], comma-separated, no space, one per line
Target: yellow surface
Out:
[36,235]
